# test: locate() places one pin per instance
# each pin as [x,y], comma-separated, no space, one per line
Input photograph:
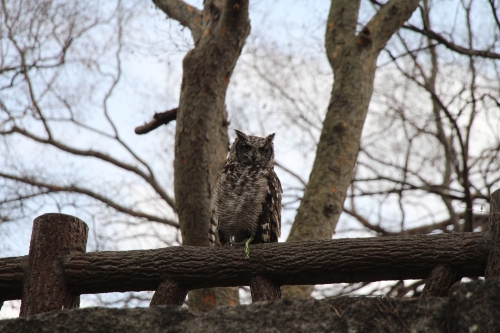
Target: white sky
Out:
[151,82]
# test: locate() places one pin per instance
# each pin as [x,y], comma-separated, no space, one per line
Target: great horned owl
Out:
[246,203]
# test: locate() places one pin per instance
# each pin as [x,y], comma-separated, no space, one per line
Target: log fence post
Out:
[44,288]
[493,265]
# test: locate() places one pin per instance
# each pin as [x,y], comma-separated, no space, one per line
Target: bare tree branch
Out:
[99,155]
[76,189]
[494,12]
[383,232]
[450,45]
[185,14]
[386,22]
[296,176]
[161,118]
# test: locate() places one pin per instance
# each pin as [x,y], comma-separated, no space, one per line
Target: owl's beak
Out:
[254,156]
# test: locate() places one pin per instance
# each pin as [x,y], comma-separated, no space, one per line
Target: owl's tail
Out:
[212,229]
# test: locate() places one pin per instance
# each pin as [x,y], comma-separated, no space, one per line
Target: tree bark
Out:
[353,59]
[169,292]
[45,286]
[493,267]
[310,262]
[161,118]
[439,281]
[264,289]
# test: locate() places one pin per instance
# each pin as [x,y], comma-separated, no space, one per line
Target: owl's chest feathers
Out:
[246,180]
[242,194]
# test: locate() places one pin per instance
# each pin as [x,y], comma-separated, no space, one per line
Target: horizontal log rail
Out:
[309,262]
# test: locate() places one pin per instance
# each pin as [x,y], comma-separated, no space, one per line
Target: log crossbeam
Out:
[308,262]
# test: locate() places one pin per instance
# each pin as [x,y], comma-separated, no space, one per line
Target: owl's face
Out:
[253,149]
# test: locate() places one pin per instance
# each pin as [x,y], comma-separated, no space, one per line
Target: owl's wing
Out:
[213,235]
[212,230]
[270,221]
[276,205]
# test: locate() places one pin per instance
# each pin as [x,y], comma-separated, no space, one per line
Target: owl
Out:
[246,202]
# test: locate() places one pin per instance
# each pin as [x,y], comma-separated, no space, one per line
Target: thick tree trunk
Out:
[310,262]
[201,140]
[353,59]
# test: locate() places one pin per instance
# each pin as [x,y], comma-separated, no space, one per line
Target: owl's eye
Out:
[263,150]
[246,147]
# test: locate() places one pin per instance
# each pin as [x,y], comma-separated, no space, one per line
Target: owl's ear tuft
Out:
[270,137]
[241,135]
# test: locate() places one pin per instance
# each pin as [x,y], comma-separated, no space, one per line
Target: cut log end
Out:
[45,288]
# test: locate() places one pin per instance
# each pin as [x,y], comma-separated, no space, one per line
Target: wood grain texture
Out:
[45,288]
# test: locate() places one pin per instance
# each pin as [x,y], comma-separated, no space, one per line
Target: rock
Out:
[472,308]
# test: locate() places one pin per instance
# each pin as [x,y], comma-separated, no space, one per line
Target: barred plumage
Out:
[246,201]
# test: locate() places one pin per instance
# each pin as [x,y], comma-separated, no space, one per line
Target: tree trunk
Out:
[201,140]
[353,59]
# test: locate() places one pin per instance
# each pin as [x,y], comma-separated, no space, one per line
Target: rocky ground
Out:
[474,307]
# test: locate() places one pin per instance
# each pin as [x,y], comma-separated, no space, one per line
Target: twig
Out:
[161,118]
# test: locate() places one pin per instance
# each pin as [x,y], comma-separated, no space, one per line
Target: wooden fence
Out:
[57,269]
